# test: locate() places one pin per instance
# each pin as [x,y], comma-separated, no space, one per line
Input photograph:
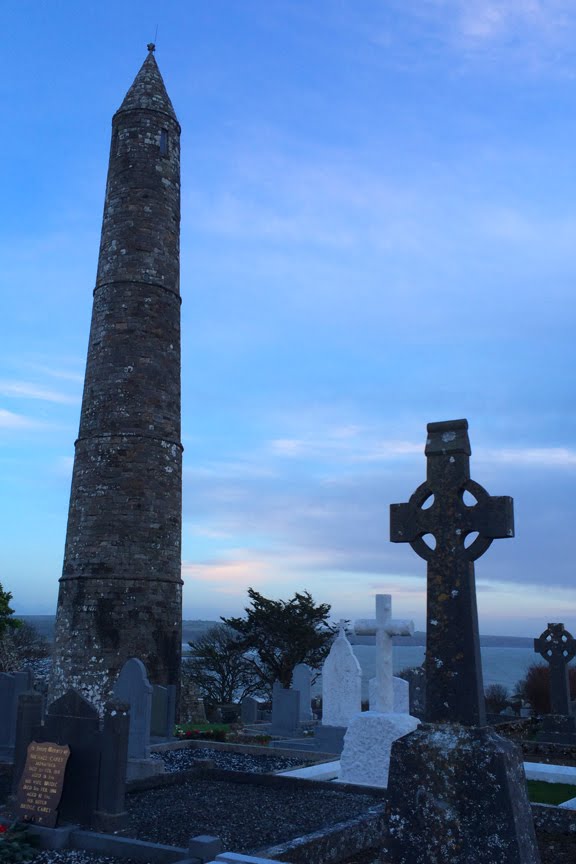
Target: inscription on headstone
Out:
[40,788]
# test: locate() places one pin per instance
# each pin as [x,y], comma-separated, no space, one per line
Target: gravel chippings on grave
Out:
[246,817]
[183,760]
[74,856]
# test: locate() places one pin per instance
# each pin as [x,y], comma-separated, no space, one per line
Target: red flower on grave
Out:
[3,829]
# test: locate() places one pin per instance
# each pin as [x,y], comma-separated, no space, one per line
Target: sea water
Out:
[504,666]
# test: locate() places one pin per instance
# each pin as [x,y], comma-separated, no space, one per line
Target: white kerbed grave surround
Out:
[365,759]
[341,683]
[550,773]
[320,771]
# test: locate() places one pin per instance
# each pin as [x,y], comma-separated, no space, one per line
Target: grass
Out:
[550,793]
[204,727]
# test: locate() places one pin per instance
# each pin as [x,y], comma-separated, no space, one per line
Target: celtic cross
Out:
[454,690]
[557,647]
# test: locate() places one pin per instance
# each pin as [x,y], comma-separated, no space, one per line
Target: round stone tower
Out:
[121,589]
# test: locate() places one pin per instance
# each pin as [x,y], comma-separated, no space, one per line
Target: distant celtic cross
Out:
[454,690]
[557,647]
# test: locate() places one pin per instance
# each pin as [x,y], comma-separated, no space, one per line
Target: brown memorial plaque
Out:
[40,787]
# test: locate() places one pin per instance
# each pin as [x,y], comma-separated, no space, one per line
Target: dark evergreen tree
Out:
[279,634]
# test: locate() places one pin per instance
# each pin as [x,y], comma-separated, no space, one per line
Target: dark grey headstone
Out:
[163,712]
[72,720]
[28,720]
[329,739]
[285,711]
[12,685]
[133,688]
[249,708]
[458,795]
[302,681]
[111,814]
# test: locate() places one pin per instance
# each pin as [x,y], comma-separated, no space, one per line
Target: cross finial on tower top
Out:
[151,47]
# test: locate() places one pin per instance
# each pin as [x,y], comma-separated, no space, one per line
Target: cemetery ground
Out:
[234,794]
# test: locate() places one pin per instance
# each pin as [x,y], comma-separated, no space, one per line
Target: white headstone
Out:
[302,681]
[341,683]
[401,693]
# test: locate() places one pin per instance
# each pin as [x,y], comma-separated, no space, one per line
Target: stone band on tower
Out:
[121,589]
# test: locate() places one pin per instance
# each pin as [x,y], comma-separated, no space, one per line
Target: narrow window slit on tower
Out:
[163,142]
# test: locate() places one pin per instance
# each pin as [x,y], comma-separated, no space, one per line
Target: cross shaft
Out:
[454,690]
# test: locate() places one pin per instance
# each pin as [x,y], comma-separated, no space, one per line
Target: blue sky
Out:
[378,230]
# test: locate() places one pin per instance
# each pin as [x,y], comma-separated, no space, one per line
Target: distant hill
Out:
[419,638]
[193,629]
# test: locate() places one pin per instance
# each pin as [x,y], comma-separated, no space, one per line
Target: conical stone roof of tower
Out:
[148,90]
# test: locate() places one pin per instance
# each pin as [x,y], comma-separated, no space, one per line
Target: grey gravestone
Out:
[249,708]
[557,647]
[163,713]
[302,681]
[111,814]
[28,719]
[285,711]
[11,686]
[72,720]
[448,781]
[133,688]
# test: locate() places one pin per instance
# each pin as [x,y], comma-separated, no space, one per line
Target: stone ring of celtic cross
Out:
[471,519]
[557,644]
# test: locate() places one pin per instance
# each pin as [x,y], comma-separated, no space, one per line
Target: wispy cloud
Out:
[62,374]
[27,390]
[10,420]
[537,457]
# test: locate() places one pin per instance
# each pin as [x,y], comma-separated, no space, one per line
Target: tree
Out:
[8,624]
[535,687]
[218,668]
[7,621]
[279,634]
[496,696]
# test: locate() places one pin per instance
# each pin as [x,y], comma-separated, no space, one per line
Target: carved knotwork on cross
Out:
[557,646]
[454,690]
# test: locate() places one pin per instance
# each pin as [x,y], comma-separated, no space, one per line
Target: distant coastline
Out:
[192,629]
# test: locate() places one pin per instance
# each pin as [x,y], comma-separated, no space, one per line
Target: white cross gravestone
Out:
[366,755]
[382,693]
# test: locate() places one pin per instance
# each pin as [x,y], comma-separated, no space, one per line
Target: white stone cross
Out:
[385,628]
